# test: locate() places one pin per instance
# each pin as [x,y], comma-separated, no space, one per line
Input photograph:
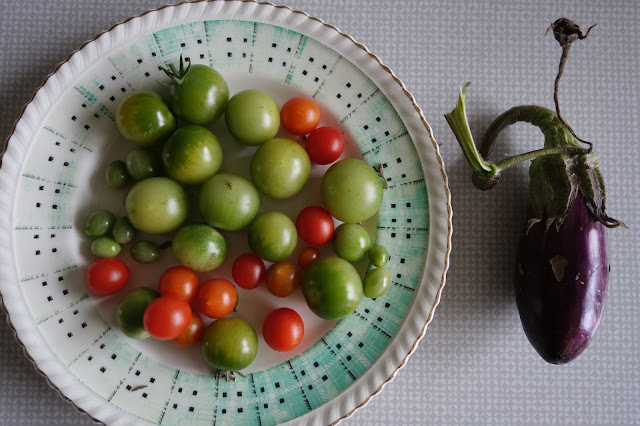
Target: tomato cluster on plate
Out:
[177,159]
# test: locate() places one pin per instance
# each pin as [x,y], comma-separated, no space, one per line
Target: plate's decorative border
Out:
[332,412]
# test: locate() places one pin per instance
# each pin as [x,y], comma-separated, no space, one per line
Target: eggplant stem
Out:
[487,173]
[566,32]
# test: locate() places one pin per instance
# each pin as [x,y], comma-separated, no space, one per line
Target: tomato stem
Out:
[176,75]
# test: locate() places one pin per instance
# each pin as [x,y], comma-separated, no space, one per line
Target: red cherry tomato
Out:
[314,225]
[324,145]
[167,317]
[299,116]
[283,278]
[192,335]
[283,329]
[217,298]
[248,271]
[307,256]
[179,281]
[107,276]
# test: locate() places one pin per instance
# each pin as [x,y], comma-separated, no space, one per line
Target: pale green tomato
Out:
[157,205]
[280,168]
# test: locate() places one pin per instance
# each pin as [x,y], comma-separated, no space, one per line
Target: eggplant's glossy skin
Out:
[561,309]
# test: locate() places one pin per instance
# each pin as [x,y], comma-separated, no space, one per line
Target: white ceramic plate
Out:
[52,176]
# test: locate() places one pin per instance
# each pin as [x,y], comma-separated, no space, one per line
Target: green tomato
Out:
[200,97]
[351,190]
[143,163]
[99,223]
[351,241]
[192,154]
[157,205]
[228,201]
[131,309]
[280,168]
[144,251]
[273,236]
[252,117]
[376,282]
[123,231]
[105,247]
[378,255]
[229,344]
[144,119]
[332,288]
[199,247]
[117,175]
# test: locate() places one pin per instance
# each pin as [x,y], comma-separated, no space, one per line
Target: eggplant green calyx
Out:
[486,174]
[176,75]
[557,171]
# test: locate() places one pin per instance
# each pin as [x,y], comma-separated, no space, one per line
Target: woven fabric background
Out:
[475,365]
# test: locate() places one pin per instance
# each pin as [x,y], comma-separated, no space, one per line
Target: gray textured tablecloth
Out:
[474,365]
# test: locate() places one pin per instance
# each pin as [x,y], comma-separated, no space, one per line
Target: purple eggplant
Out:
[562,267]
[561,283]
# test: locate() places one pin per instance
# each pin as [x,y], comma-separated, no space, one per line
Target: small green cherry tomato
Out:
[192,154]
[376,282]
[123,231]
[252,117]
[351,241]
[378,255]
[144,119]
[105,247]
[199,247]
[143,163]
[131,309]
[280,168]
[200,96]
[332,288]
[352,190]
[228,201]
[157,205]
[144,251]
[229,344]
[272,236]
[99,223]
[117,175]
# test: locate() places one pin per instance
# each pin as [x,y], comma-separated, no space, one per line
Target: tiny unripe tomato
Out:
[376,282]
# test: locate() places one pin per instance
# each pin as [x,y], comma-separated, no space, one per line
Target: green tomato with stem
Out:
[197,95]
